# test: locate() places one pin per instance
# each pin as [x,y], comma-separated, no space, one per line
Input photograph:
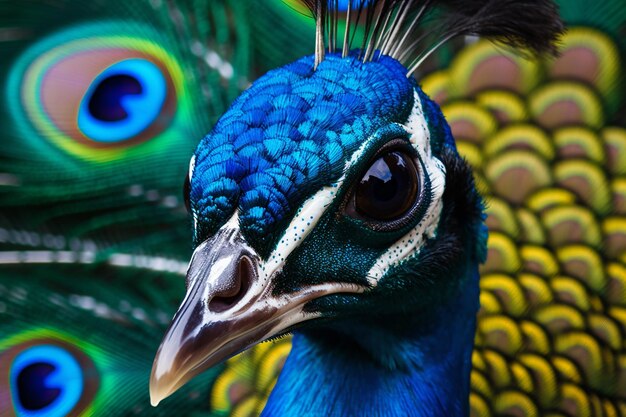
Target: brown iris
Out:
[388,189]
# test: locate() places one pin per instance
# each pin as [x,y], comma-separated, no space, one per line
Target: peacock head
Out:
[330,193]
[320,196]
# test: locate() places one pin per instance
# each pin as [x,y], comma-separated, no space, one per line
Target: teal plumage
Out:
[95,239]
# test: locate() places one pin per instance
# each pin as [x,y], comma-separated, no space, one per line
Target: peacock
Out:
[95,239]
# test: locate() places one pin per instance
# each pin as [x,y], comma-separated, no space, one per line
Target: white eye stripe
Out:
[315,207]
[410,244]
[192,166]
[308,215]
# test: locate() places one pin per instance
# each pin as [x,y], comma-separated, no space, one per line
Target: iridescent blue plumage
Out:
[291,132]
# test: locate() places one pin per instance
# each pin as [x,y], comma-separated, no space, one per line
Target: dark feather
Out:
[533,24]
[411,30]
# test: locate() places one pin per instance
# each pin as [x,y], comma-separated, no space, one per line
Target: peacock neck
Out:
[388,366]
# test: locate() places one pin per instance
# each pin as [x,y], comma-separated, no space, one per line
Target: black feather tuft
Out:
[391,26]
[533,24]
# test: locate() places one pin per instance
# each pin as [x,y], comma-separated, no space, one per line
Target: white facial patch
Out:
[410,244]
[307,216]
[192,166]
[301,225]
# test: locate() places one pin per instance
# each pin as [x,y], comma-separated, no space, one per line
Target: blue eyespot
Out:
[122,101]
[47,381]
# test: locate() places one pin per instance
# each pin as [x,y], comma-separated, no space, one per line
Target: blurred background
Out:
[103,103]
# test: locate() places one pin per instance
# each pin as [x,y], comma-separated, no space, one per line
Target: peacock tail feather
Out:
[83,346]
[140,82]
[102,105]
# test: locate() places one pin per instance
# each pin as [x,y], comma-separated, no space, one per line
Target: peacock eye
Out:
[50,378]
[99,96]
[123,101]
[186,191]
[388,190]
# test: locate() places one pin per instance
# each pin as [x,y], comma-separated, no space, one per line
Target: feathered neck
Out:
[394,366]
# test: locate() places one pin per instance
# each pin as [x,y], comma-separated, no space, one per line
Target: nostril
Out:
[235,288]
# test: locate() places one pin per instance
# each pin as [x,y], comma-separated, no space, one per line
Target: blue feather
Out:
[293,117]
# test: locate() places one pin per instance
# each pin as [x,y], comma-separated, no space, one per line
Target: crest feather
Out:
[390,26]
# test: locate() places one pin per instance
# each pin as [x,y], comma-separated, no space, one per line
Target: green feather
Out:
[54,174]
[109,327]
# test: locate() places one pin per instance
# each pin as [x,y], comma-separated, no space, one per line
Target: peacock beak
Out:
[229,306]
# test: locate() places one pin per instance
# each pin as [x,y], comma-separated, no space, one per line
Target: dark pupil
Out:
[32,392]
[105,103]
[388,189]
